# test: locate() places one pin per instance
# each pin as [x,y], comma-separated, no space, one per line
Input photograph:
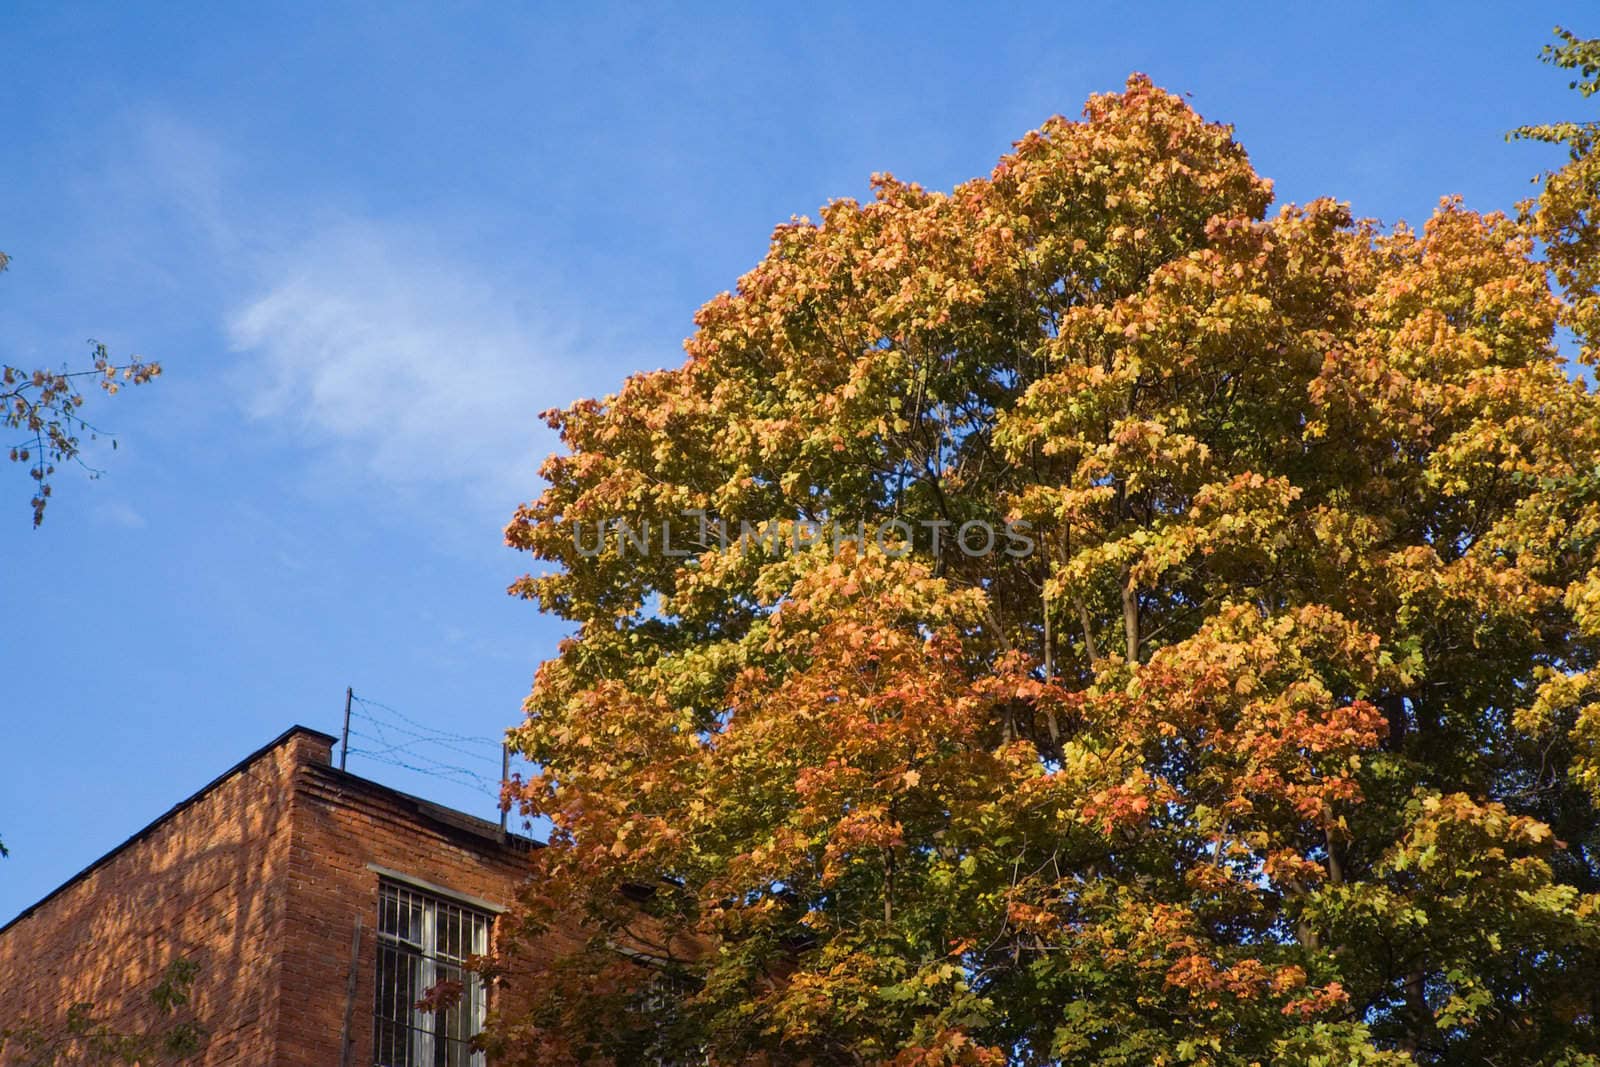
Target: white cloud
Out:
[396,355]
[420,371]
[119,513]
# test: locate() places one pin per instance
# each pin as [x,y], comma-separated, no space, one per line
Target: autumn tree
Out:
[1279,742]
[44,409]
[1566,214]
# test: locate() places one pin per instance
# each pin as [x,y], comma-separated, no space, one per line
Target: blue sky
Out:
[369,242]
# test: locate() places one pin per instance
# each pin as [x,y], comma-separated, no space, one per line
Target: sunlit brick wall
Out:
[343,827]
[208,884]
[260,881]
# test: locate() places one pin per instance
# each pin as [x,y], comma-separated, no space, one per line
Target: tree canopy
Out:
[1277,742]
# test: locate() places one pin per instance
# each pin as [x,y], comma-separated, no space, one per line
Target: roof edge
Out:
[451,819]
[160,820]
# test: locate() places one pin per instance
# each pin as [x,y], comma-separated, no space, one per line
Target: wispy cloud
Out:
[119,513]
[418,370]
[390,355]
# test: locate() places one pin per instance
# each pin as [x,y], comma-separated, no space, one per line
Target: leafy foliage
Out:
[1281,748]
[1564,215]
[46,407]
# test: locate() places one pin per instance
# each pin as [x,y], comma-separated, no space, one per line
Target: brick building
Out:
[317,905]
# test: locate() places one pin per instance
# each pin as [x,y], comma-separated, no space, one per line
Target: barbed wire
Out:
[408,746]
[459,775]
[430,730]
[384,729]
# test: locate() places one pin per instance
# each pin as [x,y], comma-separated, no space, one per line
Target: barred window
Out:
[657,1006]
[424,940]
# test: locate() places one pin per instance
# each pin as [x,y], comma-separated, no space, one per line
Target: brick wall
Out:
[342,828]
[206,882]
[260,880]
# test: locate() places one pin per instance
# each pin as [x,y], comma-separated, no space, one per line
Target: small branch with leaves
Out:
[46,408]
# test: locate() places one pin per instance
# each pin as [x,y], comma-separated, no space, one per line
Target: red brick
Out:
[260,879]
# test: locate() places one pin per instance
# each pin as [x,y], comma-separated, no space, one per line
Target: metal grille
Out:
[422,941]
[658,1003]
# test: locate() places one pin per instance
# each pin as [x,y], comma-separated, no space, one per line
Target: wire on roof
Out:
[468,761]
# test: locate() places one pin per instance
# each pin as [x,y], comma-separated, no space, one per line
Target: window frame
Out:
[413,958]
